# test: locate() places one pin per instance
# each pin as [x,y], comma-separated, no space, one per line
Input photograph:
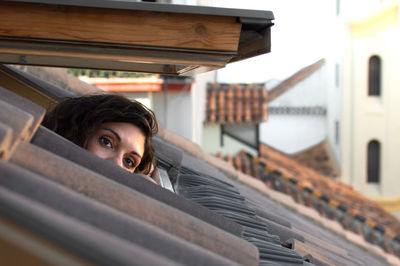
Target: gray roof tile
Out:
[88,242]
[66,201]
[62,147]
[19,121]
[134,203]
[94,198]
[22,103]
[6,134]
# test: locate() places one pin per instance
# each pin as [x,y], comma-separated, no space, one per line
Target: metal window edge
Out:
[159,7]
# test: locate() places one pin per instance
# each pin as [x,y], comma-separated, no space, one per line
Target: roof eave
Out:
[139,37]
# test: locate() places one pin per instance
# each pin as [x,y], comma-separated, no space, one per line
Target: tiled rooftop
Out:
[297,227]
[236,103]
[319,158]
[331,198]
[63,205]
[98,212]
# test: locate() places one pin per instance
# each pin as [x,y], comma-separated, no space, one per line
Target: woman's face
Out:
[118,142]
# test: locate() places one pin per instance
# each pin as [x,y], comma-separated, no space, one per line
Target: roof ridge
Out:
[293,80]
[370,221]
[309,171]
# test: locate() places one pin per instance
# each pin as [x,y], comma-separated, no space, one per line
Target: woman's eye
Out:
[106,142]
[129,163]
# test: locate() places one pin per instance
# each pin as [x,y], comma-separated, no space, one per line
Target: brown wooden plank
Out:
[112,54]
[82,62]
[25,90]
[119,26]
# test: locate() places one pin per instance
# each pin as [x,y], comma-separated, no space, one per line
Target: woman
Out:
[110,126]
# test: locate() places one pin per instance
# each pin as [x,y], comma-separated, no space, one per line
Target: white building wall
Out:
[311,91]
[334,75]
[199,92]
[391,180]
[174,111]
[212,142]
[294,45]
[294,133]
[370,117]
[334,105]
[211,139]
[232,147]
[348,95]
[142,97]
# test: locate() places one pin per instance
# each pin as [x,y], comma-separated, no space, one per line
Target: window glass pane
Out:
[373,163]
[337,77]
[374,76]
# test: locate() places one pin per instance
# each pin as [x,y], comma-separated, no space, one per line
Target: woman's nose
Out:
[116,159]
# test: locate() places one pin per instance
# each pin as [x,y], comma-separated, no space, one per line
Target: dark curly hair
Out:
[76,119]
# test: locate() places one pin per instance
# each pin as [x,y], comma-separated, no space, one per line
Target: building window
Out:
[373,161]
[221,135]
[158,1]
[374,76]
[337,77]
[337,132]
[337,7]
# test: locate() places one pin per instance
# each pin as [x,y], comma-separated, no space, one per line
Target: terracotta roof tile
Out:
[230,107]
[239,103]
[319,158]
[236,103]
[247,104]
[337,225]
[255,108]
[331,198]
[211,103]
[221,105]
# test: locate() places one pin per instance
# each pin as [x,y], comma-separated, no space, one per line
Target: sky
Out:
[300,37]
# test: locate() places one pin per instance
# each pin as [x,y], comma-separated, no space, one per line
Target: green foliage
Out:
[105,74]
[174,77]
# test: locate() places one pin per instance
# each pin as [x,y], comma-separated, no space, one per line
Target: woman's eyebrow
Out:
[119,139]
[114,133]
[137,154]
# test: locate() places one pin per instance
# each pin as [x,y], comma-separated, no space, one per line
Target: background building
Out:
[349,103]
[169,98]
[234,113]
[371,93]
[358,86]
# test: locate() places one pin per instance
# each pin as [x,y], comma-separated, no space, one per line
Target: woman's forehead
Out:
[130,136]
